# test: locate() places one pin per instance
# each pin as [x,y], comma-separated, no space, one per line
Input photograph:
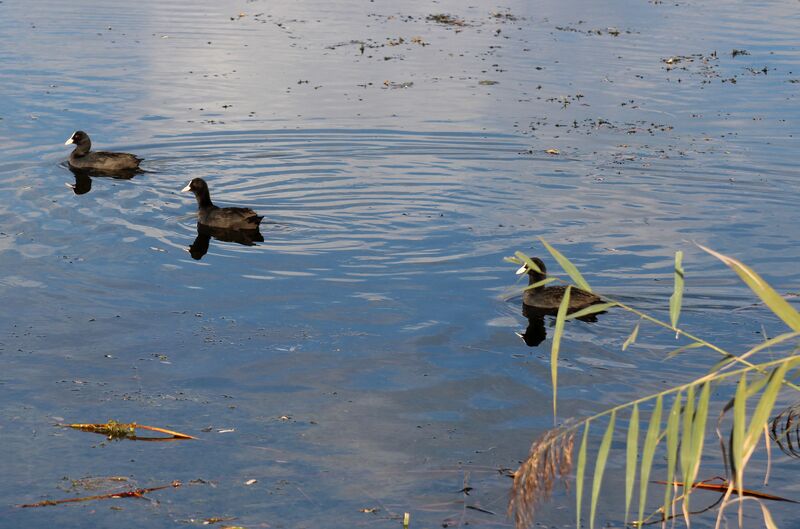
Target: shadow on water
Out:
[199,246]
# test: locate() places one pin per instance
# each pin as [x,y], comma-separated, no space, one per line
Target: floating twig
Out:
[138,493]
[723,487]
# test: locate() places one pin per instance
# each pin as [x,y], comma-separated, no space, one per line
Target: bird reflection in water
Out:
[536,332]
[204,234]
[83,178]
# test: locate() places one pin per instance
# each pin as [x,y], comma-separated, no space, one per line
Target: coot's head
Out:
[197,186]
[535,275]
[79,138]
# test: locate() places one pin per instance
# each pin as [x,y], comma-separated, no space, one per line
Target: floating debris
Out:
[614,32]
[447,20]
[219,519]
[138,493]
[505,16]
[393,85]
[697,63]
[114,430]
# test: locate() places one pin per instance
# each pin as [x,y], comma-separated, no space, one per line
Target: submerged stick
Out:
[138,493]
[724,486]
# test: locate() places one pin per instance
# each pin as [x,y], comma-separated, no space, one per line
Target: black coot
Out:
[216,217]
[83,158]
[548,299]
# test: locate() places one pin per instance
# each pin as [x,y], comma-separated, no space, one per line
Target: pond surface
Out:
[364,355]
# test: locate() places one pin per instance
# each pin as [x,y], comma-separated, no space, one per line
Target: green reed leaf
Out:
[527,261]
[769,523]
[722,363]
[684,348]
[760,347]
[554,350]
[757,386]
[632,338]
[764,407]
[579,473]
[772,299]
[672,451]
[649,450]
[632,453]
[600,466]
[676,300]
[686,446]
[699,426]
[739,423]
[697,440]
[591,309]
[568,267]
[541,283]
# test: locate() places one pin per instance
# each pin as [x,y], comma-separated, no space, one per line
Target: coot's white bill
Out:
[522,269]
[187,188]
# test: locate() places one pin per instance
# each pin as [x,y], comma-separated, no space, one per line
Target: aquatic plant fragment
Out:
[114,430]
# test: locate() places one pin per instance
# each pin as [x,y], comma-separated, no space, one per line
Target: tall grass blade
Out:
[541,283]
[591,309]
[600,466]
[579,473]
[554,350]
[632,338]
[672,451]
[632,454]
[568,267]
[764,407]
[760,347]
[769,523]
[684,348]
[696,441]
[649,450]
[676,300]
[772,299]
[758,385]
[527,261]
[686,449]
[739,423]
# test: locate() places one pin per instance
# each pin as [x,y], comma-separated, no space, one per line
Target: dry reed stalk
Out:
[549,460]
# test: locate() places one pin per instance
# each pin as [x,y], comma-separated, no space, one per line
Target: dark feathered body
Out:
[549,298]
[229,218]
[105,161]
[83,158]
